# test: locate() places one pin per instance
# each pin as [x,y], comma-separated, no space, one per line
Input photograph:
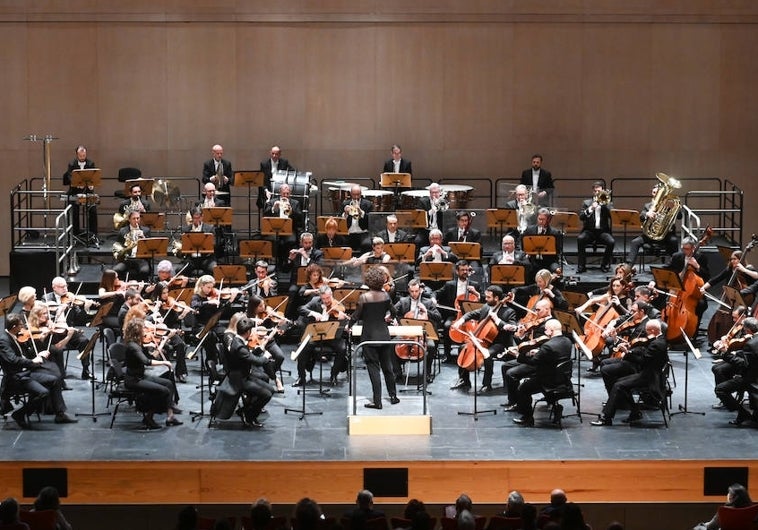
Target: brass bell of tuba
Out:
[666,205]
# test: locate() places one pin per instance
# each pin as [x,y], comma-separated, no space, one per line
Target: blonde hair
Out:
[202,280]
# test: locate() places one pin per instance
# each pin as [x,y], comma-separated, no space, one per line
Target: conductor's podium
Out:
[410,416]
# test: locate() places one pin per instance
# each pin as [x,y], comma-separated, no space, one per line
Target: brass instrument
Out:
[441,204]
[666,205]
[175,247]
[602,197]
[120,252]
[285,207]
[525,213]
[122,219]
[354,209]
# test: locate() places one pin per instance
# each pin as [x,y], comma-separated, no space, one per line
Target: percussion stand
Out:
[202,336]
[249,179]
[90,358]
[86,178]
[46,166]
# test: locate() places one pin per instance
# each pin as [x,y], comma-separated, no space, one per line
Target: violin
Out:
[625,345]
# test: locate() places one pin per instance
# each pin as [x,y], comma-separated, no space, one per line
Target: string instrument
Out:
[721,320]
[475,351]
[680,312]
[625,345]
[413,351]
[531,314]
[595,326]
[724,344]
[260,341]
[527,327]
[459,335]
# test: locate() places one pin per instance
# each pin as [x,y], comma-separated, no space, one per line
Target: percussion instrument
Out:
[457,195]
[166,194]
[409,199]
[381,199]
[299,182]
[339,193]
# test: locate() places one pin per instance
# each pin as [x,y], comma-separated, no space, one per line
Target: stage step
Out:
[404,418]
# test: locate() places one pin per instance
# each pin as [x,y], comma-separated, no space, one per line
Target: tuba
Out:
[666,205]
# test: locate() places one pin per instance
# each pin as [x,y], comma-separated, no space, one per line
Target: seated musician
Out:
[724,369]
[217,170]
[53,338]
[27,296]
[80,162]
[132,298]
[623,335]
[170,312]
[165,273]
[373,257]
[297,258]
[463,232]
[526,211]
[508,255]
[330,237]
[204,263]
[435,250]
[157,391]
[111,290]
[27,375]
[206,300]
[434,205]
[541,288]
[419,305]
[210,199]
[65,304]
[530,334]
[393,234]
[595,213]
[245,372]
[450,295]
[135,202]
[355,210]
[651,357]
[643,293]
[623,271]
[670,240]
[65,336]
[691,259]
[269,167]
[504,320]
[265,284]
[268,324]
[744,362]
[321,309]
[543,228]
[128,237]
[285,207]
[745,275]
[545,361]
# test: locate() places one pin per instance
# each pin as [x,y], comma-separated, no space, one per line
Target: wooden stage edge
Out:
[160,482]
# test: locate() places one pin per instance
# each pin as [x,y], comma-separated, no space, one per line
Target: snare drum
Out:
[341,193]
[409,200]
[457,196]
[382,200]
[299,182]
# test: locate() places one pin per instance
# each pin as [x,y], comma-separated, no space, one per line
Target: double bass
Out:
[680,313]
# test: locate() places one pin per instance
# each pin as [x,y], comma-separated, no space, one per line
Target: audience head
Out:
[261,514]
[515,503]
[9,511]
[47,499]
[307,514]
[421,521]
[466,520]
[738,496]
[615,525]
[412,508]
[365,499]
[463,502]
[187,518]
[558,497]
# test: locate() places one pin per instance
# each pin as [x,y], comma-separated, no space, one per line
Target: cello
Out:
[680,313]
[459,335]
[595,326]
[413,352]
[475,351]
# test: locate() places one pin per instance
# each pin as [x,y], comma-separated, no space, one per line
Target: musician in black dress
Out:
[329,237]
[372,309]
[158,393]
[80,162]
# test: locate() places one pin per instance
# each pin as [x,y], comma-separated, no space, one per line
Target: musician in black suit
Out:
[651,359]
[269,167]
[217,170]
[545,361]
[80,162]
[433,205]
[22,374]
[549,262]
[595,213]
[135,202]
[139,269]
[393,234]
[694,260]
[670,241]
[745,370]
[299,258]
[210,198]
[463,232]
[205,263]
[285,207]
[397,164]
[420,305]
[540,180]
[508,255]
[355,210]
[504,319]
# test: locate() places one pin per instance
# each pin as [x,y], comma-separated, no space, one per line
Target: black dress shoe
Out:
[486,389]
[65,418]
[150,424]
[86,375]
[460,384]
[510,407]
[333,380]
[173,422]
[181,378]
[429,379]
[298,382]
[394,400]
[524,421]
[633,417]
[557,412]
[373,406]
[580,270]
[742,416]
[602,422]
[20,418]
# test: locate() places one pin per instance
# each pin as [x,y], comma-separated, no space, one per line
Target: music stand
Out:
[153,220]
[98,322]
[626,219]
[341,224]
[690,348]
[145,184]
[230,274]
[468,306]
[501,219]
[476,412]
[405,252]
[412,219]
[249,179]
[149,247]
[86,179]
[397,181]
[666,279]
[539,246]
[218,216]
[574,299]
[566,222]
[253,249]
[436,271]
[733,297]
[181,294]
[580,348]
[7,303]
[201,339]
[277,227]
[315,332]
[508,275]
[337,253]
[86,357]
[348,298]
[466,250]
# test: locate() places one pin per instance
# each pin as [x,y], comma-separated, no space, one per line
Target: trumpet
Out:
[354,209]
[441,204]
[285,207]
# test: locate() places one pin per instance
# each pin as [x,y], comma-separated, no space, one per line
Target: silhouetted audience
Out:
[466,520]
[736,497]
[187,518]
[529,517]
[514,506]
[49,499]
[572,518]
[307,514]
[9,511]
[557,503]
[261,514]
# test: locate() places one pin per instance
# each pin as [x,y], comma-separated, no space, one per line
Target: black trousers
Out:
[376,357]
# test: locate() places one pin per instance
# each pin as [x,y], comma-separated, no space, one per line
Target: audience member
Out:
[363,511]
[307,514]
[9,511]
[48,499]
[615,525]
[466,520]
[572,518]
[529,517]
[557,502]
[514,506]
[737,496]
[261,514]
[187,518]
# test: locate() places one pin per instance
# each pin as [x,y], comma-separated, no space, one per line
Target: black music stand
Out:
[207,329]
[314,332]
[696,353]
[501,219]
[277,227]
[565,221]
[86,179]
[397,181]
[98,322]
[87,357]
[581,349]
[436,271]
[508,275]
[7,303]
[249,179]
[149,247]
[666,279]
[476,412]
[428,332]
[626,219]
[539,246]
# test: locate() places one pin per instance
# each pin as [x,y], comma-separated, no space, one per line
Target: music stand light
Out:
[404,252]
[256,248]
[230,274]
[508,274]
[436,271]
[627,220]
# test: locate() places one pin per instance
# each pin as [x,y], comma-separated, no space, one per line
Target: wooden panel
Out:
[337,482]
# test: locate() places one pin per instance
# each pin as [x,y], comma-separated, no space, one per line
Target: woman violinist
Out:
[737,275]
[169,314]
[40,330]
[111,290]
[315,280]
[157,391]
[206,301]
[266,320]
[542,288]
